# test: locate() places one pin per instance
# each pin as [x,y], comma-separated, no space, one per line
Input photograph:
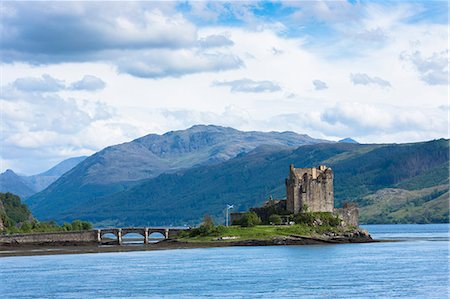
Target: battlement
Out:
[313,172]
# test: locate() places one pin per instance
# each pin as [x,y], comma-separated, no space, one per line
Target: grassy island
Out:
[310,225]
[263,232]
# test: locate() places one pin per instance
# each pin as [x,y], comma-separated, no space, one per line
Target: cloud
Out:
[364,79]
[50,112]
[88,82]
[365,122]
[376,35]
[39,128]
[161,63]
[47,84]
[360,119]
[320,85]
[143,39]
[276,51]
[212,41]
[35,30]
[248,85]
[432,70]
[44,84]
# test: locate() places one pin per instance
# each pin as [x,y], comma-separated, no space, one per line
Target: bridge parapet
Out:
[144,231]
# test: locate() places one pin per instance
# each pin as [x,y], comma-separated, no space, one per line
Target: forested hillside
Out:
[250,178]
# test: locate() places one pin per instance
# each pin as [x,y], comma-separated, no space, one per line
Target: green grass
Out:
[262,232]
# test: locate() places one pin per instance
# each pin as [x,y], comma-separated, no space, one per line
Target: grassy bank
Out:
[260,232]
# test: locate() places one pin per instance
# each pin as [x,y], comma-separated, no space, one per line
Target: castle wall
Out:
[292,195]
[55,237]
[349,215]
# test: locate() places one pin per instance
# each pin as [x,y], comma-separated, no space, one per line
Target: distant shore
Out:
[79,248]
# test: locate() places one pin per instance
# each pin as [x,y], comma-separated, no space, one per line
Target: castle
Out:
[307,190]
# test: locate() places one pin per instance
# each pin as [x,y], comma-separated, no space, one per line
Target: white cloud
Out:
[376,35]
[176,63]
[144,39]
[88,82]
[320,85]
[364,79]
[366,123]
[433,70]
[44,84]
[248,85]
[215,40]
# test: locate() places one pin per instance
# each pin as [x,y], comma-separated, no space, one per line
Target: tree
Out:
[67,226]
[250,219]
[77,225]
[275,219]
[207,221]
[86,225]
[26,227]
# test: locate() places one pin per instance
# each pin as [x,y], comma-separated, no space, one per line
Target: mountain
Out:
[122,166]
[11,182]
[41,181]
[151,155]
[395,205]
[250,178]
[348,140]
[25,186]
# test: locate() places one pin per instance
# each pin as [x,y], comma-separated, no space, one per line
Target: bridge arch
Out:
[148,234]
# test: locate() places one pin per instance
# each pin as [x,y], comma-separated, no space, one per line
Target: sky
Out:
[80,76]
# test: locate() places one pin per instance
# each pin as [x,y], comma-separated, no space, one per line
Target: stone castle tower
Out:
[311,188]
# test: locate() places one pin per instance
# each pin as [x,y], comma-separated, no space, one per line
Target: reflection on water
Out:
[414,268]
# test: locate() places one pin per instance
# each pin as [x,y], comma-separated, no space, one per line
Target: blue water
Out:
[416,267]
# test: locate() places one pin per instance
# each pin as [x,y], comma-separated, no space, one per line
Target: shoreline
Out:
[10,250]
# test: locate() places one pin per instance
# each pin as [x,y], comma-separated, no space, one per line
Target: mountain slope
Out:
[248,179]
[393,205]
[118,167]
[41,181]
[11,182]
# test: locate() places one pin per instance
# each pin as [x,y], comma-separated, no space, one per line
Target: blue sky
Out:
[80,76]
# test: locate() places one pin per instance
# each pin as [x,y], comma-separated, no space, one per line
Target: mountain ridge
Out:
[25,186]
[249,178]
[121,166]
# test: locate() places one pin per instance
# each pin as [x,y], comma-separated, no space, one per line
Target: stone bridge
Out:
[143,231]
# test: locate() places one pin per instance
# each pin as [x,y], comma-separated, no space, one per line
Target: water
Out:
[416,267]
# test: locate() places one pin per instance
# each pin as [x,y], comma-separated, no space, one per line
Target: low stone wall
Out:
[55,237]
[349,215]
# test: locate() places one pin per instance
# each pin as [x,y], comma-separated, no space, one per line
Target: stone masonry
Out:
[310,189]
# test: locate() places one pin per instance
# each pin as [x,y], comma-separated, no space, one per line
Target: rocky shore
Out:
[356,236]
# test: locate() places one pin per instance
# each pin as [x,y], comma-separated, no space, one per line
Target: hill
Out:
[11,182]
[42,180]
[12,211]
[25,186]
[119,167]
[249,178]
